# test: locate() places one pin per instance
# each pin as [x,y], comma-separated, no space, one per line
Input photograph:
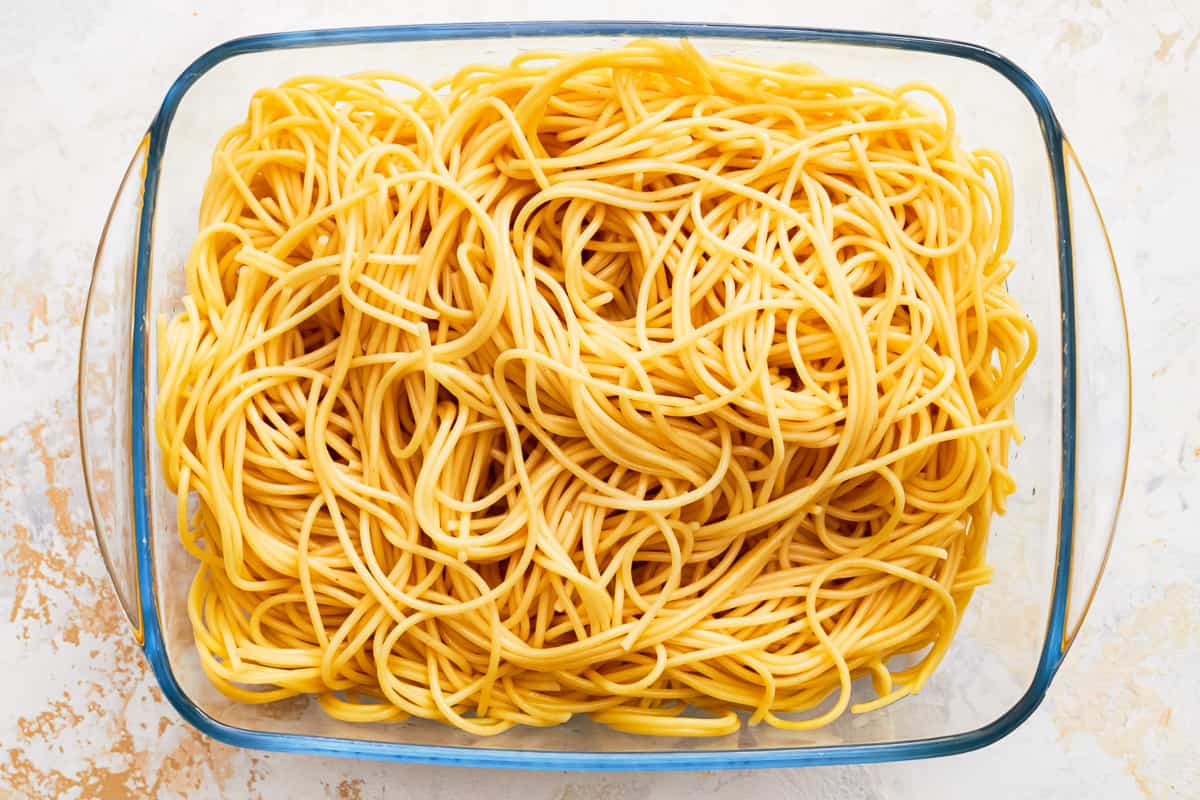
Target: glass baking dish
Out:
[1074,409]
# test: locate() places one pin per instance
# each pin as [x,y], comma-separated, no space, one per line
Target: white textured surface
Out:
[80,715]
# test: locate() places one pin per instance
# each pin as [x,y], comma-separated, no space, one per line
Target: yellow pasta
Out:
[631,383]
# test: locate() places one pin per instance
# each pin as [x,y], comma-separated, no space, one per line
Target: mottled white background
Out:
[80,715]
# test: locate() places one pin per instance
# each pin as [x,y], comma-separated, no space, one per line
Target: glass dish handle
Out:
[105,387]
[1103,401]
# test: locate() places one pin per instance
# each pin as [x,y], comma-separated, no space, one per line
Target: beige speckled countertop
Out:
[80,714]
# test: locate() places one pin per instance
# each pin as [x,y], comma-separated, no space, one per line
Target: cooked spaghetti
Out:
[634,383]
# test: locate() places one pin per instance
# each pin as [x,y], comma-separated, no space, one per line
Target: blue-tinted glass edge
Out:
[1052,649]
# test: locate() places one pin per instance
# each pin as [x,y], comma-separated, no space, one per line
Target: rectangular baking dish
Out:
[1074,409]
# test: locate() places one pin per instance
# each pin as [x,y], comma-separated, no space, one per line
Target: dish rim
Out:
[153,644]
